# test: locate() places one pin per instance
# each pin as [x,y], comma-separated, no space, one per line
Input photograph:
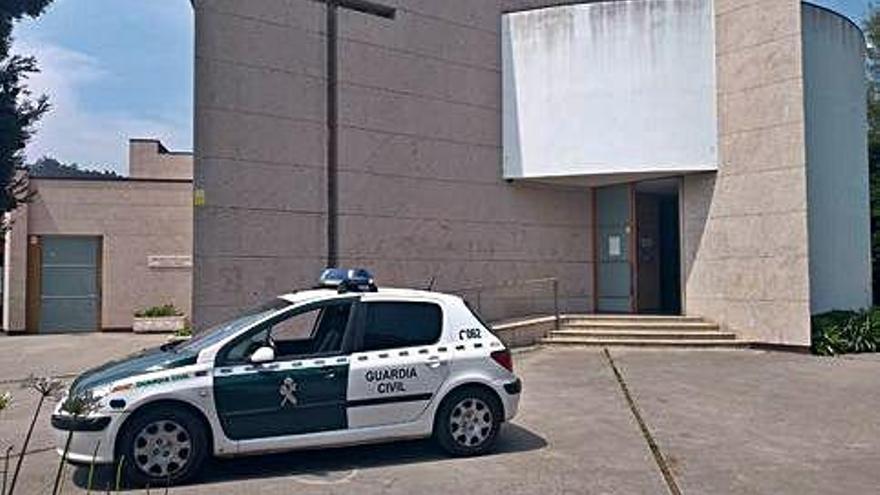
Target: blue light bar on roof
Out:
[347,279]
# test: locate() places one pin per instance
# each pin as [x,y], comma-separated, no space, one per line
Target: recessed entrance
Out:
[638,254]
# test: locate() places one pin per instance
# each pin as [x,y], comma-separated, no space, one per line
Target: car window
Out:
[391,325]
[298,327]
[241,350]
[229,328]
[311,331]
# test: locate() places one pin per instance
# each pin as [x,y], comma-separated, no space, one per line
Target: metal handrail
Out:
[480,289]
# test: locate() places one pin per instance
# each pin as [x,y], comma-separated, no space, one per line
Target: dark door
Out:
[303,391]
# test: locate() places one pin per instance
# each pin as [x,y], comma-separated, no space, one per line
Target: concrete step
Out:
[701,326]
[624,317]
[643,334]
[682,343]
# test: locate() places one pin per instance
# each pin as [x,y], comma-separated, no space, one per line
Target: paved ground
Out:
[741,422]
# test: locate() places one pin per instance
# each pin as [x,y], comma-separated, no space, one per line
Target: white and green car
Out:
[339,365]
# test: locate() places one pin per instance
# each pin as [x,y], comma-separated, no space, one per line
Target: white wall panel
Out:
[611,87]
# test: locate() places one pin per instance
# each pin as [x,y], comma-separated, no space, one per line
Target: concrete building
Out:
[87,253]
[692,157]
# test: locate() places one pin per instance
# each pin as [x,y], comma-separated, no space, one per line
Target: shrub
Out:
[846,332]
[186,333]
[159,312]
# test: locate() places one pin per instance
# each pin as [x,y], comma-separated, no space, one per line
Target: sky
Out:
[113,70]
[118,69]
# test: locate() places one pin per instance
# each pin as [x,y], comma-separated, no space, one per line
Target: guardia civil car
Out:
[346,363]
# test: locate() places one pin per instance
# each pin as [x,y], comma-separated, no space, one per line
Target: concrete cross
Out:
[364,7]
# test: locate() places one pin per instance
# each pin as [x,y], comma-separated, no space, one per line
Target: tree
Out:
[19,112]
[50,167]
[872,33]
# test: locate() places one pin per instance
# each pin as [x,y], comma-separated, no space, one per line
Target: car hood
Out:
[146,361]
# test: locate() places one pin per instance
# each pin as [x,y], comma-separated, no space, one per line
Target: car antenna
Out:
[431,283]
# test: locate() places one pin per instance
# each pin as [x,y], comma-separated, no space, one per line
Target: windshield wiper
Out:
[169,346]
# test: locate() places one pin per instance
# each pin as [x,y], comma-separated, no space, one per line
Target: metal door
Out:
[614,270]
[69,295]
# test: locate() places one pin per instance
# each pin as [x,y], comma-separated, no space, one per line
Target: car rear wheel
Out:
[468,421]
[162,447]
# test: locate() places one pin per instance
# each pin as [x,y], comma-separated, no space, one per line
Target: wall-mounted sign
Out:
[614,245]
[164,261]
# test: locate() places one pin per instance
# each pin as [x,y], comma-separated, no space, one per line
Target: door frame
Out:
[633,243]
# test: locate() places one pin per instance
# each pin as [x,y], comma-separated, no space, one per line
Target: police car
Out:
[346,363]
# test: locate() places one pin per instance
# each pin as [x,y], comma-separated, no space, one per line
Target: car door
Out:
[303,390]
[399,362]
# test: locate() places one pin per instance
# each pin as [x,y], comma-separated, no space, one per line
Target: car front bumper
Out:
[92,439]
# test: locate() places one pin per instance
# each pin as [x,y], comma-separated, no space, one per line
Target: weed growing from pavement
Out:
[47,388]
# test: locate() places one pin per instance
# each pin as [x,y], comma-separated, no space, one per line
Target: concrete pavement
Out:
[740,422]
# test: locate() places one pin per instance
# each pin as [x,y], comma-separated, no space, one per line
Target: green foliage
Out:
[81,404]
[872,33]
[19,113]
[846,332]
[185,333]
[5,400]
[159,312]
[50,167]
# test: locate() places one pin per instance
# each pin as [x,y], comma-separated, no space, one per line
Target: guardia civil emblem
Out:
[288,390]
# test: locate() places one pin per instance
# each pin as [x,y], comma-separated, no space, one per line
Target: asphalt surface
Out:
[740,422]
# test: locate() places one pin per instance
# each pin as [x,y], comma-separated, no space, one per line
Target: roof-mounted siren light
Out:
[348,280]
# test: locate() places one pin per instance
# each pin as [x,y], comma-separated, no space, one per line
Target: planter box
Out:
[165,324]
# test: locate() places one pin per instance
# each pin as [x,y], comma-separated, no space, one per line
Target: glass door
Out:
[614,266]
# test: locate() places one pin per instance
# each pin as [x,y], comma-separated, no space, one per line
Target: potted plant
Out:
[159,319]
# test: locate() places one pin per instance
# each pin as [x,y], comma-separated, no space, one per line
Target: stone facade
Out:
[421,186]
[745,228]
[420,157]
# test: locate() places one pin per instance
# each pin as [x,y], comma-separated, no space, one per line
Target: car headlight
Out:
[85,402]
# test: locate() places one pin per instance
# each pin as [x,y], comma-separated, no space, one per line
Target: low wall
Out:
[524,332]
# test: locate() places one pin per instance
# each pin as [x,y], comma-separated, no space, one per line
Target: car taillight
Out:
[504,359]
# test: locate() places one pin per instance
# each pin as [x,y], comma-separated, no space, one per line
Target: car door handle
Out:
[263,368]
[435,362]
[329,373]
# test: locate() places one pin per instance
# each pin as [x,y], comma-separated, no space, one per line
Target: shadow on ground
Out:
[329,465]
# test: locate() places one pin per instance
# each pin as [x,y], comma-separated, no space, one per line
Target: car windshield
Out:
[229,328]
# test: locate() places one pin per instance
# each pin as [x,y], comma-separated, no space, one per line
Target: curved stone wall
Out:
[837,161]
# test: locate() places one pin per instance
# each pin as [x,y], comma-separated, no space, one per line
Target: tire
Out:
[468,421]
[162,446]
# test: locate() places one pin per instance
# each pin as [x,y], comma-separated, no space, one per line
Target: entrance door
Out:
[302,391]
[614,270]
[658,263]
[69,295]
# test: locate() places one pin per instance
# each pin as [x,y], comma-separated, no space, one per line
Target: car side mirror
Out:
[262,355]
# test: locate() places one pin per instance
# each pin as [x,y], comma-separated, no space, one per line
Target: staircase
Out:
[640,331]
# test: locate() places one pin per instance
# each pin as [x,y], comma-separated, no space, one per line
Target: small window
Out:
[391,325]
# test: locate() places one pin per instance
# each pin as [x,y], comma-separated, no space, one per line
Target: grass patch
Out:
[163,311]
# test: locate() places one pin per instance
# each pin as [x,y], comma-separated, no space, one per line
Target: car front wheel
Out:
[468,421]
[162,447]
